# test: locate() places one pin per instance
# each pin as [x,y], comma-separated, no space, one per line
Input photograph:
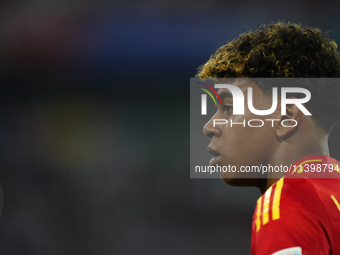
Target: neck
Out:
[294,148]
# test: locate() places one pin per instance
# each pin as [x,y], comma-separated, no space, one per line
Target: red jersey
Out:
[300,215]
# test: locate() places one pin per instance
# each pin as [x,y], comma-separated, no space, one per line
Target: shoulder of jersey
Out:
[295,193]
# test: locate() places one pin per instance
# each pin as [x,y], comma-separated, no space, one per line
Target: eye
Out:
[227,108]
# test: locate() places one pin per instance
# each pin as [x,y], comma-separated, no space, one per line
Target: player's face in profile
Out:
[239,144]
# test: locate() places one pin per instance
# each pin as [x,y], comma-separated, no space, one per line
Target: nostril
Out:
[211,134]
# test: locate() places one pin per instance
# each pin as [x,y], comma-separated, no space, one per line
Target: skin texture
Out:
[252,146]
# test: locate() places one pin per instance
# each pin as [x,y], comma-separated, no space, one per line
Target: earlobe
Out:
[289,122]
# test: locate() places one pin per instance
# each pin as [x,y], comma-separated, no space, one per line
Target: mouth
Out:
[213,152]
[214,161]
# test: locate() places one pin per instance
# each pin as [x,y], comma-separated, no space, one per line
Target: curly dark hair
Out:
[283,50]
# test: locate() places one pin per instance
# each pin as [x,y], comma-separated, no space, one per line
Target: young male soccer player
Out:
[294,215]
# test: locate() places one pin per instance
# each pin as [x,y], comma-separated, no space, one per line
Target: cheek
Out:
[234,140]
[241,140]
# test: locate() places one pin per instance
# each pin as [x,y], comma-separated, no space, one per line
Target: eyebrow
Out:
[225,94]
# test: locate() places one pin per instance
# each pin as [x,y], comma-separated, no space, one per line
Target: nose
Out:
[211,130]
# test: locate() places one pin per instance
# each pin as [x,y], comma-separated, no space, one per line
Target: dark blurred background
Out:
[94,130]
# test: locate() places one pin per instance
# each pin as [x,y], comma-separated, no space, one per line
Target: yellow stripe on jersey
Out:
[258,214]
[265,215]
[276,200]
[266,201]
[336,202]
[300,169]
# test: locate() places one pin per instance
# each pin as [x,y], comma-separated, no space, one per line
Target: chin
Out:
[242,182]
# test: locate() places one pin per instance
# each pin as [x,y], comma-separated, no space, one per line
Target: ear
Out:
[289,122]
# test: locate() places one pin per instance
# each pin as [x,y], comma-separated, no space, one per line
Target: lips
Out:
[212,151]
[215,159]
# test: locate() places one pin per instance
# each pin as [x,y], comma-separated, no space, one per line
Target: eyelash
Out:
[228,108]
